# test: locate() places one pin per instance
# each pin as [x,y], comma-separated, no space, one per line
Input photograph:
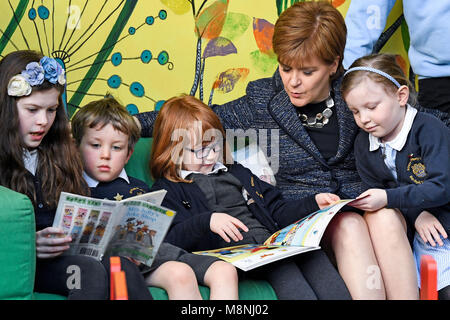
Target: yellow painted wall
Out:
[86,26]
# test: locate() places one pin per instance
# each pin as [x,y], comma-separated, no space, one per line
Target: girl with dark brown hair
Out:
[38,158]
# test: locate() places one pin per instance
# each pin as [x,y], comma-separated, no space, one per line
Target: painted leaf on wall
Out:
[337,3]
[226,80]
[177,6]
[284,4]
[210,21]
[405,35]
[219,46]
[402,63]
[264,63]
[263,32]
[235,25]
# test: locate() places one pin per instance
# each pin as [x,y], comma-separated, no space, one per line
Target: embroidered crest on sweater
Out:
[137,191]
[416,169]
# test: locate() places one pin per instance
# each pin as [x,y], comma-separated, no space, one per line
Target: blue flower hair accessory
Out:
[34,74]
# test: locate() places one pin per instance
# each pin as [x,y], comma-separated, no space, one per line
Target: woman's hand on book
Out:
[325,199]
[227,226]
[51,242]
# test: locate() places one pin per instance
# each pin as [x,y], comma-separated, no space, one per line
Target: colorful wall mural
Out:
[143,52]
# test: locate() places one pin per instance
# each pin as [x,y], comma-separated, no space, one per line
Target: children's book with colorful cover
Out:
[299,237]
[134,227]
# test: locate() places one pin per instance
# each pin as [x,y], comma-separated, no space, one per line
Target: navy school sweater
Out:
[423,170]
[190,228]
[119,189]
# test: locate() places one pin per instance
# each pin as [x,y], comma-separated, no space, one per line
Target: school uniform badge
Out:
[416,170]
[136,191]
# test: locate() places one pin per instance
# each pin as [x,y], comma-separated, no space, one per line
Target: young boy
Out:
[106,134]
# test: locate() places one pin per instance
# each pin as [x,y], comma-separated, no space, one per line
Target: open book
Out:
[301,236]
[134,227]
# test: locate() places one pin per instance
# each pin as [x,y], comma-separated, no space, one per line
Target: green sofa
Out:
[17,243]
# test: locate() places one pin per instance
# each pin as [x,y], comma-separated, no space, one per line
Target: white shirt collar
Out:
[92,183]
[30,160]
[217,167]
[399,141]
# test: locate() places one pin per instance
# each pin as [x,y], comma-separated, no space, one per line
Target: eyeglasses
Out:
[204,152]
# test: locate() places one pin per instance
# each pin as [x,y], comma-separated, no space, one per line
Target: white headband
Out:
[369,69]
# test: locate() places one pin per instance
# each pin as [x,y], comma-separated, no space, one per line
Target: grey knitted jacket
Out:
[302,171]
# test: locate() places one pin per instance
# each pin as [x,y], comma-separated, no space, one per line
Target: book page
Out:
[87,221]
[270,254]
[301,236]
[135,228]
[249,256]
[155,197]
[140,231]
[307,231]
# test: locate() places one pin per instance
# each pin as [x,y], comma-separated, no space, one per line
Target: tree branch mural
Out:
[142,52]
[216,26]
[109,19]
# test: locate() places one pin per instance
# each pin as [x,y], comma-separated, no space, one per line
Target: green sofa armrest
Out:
[18,246]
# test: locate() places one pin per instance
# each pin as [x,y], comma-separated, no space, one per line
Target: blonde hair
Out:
[386,63]
[179,114]
[310,29]
[101,113]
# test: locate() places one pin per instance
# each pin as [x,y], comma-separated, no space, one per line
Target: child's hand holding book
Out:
[51,242]
[227,226]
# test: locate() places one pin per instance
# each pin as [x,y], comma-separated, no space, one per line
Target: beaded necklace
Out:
[321,119]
